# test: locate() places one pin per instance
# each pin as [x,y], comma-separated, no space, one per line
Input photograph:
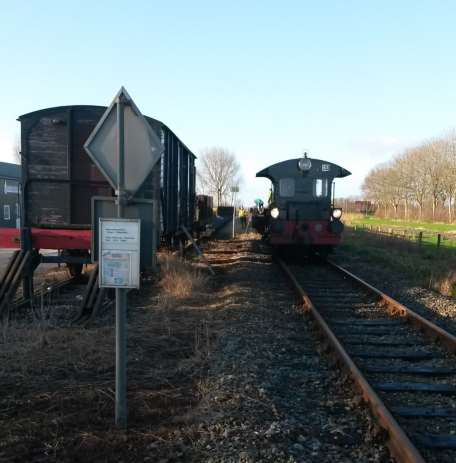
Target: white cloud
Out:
[6,146]
[377,147]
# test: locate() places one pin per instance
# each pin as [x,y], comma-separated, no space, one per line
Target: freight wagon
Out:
[59,180]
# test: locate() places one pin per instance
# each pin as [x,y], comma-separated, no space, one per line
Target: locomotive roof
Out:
[289,168]
[93,107]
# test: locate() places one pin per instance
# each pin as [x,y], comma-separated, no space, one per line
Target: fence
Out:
[416,240]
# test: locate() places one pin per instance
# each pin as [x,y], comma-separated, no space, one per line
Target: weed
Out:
[180,279]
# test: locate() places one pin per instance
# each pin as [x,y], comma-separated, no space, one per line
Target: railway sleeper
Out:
[382,342]
[436,441]
[371,331]
[368,322]
[424,412]
[413,356]
[410,370]
[415,387]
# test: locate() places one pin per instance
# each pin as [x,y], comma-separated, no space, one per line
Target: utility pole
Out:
[234,190]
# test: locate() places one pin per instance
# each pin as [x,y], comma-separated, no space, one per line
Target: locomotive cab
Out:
[300,210]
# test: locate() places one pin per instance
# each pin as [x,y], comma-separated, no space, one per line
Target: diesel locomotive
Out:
[300,212]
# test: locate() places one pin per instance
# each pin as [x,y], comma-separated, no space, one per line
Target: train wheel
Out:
[75,269]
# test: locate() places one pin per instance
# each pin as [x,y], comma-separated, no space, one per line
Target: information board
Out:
[147,210]
[119,252]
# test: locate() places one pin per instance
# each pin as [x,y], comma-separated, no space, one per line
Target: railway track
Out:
[75,300]
[403,364]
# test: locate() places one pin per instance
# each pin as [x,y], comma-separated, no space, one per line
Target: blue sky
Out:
[353,82]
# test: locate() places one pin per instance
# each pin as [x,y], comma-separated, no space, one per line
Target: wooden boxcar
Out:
[59,179]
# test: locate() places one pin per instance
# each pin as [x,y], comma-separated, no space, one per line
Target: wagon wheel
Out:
[75,269]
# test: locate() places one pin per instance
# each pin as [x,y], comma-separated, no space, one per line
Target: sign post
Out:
[125,149]
[234,190]
[121,294]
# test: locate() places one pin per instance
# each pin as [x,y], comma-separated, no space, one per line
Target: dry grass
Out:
[57,382]
[250,235]
[180,280]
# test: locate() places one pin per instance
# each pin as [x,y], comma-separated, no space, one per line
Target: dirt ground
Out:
[228,372]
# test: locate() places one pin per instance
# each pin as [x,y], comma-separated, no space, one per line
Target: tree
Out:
[405,176]
[433,159]
[219,170]
[17,150]
[375,188]
[449,172]
[422,175]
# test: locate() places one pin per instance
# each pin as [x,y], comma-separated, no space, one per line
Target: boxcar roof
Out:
[11,171]
[88,107]
[289,168]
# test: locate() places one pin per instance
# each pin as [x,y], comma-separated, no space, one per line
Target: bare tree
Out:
[433,159]
[375,187]
[405,176]
[219,170]
[17,150]
[449,172]
[421,179]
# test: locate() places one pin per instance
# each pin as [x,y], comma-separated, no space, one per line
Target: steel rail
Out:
[428,327]
[21,301]
[399,444]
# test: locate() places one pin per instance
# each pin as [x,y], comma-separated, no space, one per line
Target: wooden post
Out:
[439,239]
[197,249]
[420,238]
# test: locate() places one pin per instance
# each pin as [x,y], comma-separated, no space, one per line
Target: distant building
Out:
[10,177]
[366,207]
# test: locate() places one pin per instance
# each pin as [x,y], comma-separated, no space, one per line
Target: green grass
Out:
[437,227]
[408,229]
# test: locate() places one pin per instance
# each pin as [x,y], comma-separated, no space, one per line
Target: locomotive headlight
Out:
[304,164]
[337,213]
[275,212]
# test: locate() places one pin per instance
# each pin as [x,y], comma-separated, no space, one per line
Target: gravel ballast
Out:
[232,373]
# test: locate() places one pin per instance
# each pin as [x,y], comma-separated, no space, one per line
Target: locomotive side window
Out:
[6,212]
[320,188]
[287,187]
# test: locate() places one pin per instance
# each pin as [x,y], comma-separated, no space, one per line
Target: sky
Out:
[351,82]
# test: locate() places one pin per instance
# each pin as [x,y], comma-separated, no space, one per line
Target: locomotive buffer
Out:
[125,149]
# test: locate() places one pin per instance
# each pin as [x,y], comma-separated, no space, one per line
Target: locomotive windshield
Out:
[290,187]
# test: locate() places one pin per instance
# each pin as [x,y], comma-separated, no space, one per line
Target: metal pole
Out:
[121,295]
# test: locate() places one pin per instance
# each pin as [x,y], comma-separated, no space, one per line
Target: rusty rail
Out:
[428,327]
[399,444]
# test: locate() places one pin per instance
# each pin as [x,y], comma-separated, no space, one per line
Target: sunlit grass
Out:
[360,219]
[426,266]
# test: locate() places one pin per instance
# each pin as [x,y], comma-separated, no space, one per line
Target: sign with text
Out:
[119,252]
